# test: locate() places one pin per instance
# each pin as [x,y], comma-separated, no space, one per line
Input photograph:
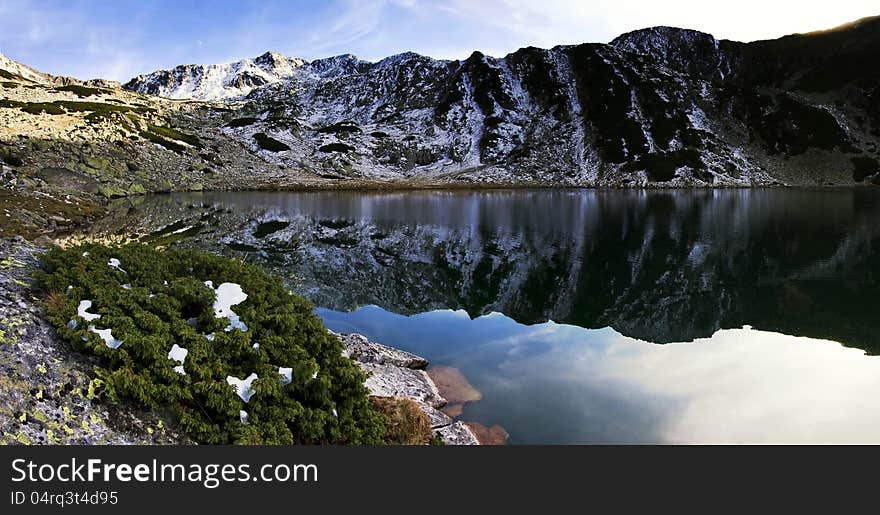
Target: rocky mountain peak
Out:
[687,50]
[406,57]
[345,64]
[658,105]
[278,64]
[227,81]
[15,68]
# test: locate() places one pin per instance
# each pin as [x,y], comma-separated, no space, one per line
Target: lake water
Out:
[587,316]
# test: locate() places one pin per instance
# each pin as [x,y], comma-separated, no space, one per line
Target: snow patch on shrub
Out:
[82,312]
[243,387]
[107,336]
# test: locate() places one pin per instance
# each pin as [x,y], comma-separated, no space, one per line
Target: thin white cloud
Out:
[64,38]
[551,21]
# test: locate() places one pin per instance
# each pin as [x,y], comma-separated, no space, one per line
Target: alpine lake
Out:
[586,316]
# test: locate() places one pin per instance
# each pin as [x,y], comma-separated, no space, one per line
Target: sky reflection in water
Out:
[556,383]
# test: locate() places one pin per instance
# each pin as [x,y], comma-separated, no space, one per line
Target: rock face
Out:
[395,381]
[217,81]
[458,434]
[659,106]
[396,373]
[359,348]
[455,387]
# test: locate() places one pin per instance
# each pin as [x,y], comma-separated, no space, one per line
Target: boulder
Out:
[458,434]
[359,348]
[394,381]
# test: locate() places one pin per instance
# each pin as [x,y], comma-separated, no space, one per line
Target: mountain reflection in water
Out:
[658,266]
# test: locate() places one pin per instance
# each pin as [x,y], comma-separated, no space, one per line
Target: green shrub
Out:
[168,303]
[159,140]
[97,110]
[9,75]
[42,107]
[81,91]
[405,422]
[168,132]
[269,143]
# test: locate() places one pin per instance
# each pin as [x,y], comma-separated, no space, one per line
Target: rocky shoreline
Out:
[48,395]
[396,373]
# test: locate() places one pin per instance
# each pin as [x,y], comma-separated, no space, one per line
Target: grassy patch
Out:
[42,107]
[81,91]
[169,133]
[405,422]
[97,110]
[10,76]
[169,304]
[269,143]
[159,140]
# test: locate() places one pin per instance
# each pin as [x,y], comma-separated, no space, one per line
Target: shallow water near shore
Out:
[587,316]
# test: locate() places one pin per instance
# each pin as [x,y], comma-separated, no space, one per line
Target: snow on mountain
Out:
[655,106]
[218,81]
[26,72]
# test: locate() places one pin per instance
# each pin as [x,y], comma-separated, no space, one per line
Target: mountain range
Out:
[658,107]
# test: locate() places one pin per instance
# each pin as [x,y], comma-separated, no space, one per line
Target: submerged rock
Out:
[394,373]
[495,435]
[455,388]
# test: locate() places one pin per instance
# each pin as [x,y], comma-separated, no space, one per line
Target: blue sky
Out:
[119,39]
